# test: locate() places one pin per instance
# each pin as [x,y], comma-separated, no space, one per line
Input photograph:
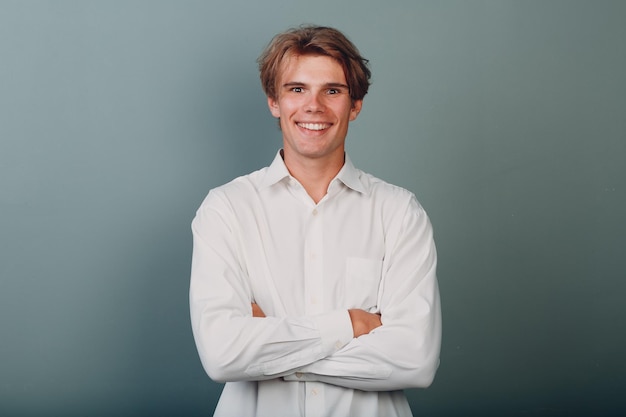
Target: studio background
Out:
[507,119]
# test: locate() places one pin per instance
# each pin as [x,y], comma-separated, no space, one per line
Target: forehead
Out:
[320,68]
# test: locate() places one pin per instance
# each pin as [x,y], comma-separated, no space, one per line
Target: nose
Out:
[314,104]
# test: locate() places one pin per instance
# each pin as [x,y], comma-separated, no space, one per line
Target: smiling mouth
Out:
[314,126]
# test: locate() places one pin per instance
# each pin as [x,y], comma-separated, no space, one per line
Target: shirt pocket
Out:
[363,277]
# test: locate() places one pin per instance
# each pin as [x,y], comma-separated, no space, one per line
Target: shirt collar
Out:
[348,175]
[351,177]
[276,171]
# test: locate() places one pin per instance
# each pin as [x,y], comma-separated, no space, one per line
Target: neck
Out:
[315,174]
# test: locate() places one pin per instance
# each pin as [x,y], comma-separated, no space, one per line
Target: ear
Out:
[356,109]
[274,107]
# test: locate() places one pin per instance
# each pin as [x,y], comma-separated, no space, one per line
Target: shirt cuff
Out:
[335,330]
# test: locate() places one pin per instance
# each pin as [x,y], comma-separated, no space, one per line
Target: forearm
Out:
[232,344]
[246,348]
[391,357]
[404,351]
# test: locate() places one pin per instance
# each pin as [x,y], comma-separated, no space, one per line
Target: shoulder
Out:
[223,204]
[401,213]
[236,191]
[394,204]
[386,193]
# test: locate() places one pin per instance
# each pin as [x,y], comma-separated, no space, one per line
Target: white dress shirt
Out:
[367,244]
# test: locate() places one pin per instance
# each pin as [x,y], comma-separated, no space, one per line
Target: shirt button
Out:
[298,375]
[315,212]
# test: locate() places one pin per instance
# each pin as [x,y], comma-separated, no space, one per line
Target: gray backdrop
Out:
[506,118]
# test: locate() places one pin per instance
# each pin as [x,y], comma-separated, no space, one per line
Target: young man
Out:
[313,287]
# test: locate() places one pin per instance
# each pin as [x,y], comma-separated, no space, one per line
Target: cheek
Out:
[286,108]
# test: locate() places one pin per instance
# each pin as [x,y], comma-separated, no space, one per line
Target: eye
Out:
[332,91]
[297,89]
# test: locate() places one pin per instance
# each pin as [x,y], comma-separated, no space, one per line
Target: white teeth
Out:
[313,126]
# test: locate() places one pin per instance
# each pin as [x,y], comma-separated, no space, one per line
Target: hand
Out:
[256,311]
[363,322]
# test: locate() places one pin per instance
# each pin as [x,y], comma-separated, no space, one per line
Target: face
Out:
[314,107]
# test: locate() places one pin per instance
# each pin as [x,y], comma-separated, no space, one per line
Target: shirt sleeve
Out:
[404,351]
[233,345]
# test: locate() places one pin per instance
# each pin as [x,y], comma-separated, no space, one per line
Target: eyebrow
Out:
[326,85]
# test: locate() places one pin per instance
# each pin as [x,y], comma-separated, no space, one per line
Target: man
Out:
[313,288]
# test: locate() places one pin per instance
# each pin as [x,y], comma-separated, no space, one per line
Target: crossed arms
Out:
[362,321]
[395,349]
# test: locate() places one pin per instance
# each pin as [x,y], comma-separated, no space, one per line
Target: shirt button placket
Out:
[314,264]
[314,297]
[314,404]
